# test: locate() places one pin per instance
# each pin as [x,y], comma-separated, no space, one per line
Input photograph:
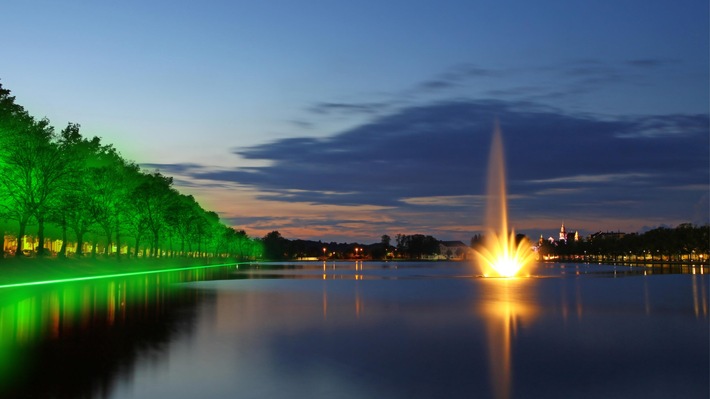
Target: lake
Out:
[361,330]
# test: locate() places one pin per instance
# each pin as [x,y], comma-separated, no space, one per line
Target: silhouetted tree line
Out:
[276,247]
[82,190]
[685,242]
[416,246]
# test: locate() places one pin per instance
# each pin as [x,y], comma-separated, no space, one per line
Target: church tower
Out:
[563,233]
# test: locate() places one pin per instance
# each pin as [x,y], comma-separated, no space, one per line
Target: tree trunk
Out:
[21,236]
[107,250]
[93,248]
[155,244]
[63,251]
[40,236]
[79,243]
[138,245]
[118,242]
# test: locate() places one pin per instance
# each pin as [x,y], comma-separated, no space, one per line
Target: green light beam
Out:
[66,280]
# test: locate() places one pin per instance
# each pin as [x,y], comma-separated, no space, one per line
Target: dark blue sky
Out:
[346,121]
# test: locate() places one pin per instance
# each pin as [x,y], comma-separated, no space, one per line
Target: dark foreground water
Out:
[354,330]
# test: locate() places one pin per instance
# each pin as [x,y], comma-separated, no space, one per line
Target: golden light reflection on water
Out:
[700,297]
[506,305]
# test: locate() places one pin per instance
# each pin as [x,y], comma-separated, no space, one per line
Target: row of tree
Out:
[416,246]
[686,242]
[83,190]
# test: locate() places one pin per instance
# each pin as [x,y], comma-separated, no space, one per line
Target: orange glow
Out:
[502,256]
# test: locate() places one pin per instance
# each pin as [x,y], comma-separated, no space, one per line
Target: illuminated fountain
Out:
[500,255]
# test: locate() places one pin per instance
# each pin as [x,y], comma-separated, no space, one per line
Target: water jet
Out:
[501,254]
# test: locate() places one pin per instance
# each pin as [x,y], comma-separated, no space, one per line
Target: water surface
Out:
[362,330]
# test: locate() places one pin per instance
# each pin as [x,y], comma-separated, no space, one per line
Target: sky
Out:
[343,121]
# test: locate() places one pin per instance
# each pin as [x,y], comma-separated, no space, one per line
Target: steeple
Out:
[563,233]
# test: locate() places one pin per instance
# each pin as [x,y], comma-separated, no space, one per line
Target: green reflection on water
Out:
[41,311]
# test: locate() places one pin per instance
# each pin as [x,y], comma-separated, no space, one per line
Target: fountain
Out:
[500,255]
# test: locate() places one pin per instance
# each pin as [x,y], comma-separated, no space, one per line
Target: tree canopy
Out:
[87,194]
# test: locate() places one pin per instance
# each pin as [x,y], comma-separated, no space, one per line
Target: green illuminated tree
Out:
[181,213]
[151,196]
[30,171]
[242,244]
[76,208]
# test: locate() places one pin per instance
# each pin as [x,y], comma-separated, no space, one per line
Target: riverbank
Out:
[26,270]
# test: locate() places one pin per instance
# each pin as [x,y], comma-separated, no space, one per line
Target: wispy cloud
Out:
[565,85]
[600,178]
[348,108]
[449,201]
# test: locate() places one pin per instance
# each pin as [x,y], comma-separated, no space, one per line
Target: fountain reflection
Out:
[506,305]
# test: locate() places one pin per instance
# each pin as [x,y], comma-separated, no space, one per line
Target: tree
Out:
[181,214]
[30,172]
[417,245]
[274,245]
[76,207]
[385,240]
[152,196]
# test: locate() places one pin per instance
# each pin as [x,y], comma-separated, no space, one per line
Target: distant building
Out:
[565,237]
[563,233]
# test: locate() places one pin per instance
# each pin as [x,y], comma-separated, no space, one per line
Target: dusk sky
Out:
[347,120]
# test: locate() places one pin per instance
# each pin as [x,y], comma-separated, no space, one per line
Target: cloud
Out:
[448,201]
[667,125]
[590,84]
[628,178]
[347,108]
[171,168]
[457,76]
[418,163]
